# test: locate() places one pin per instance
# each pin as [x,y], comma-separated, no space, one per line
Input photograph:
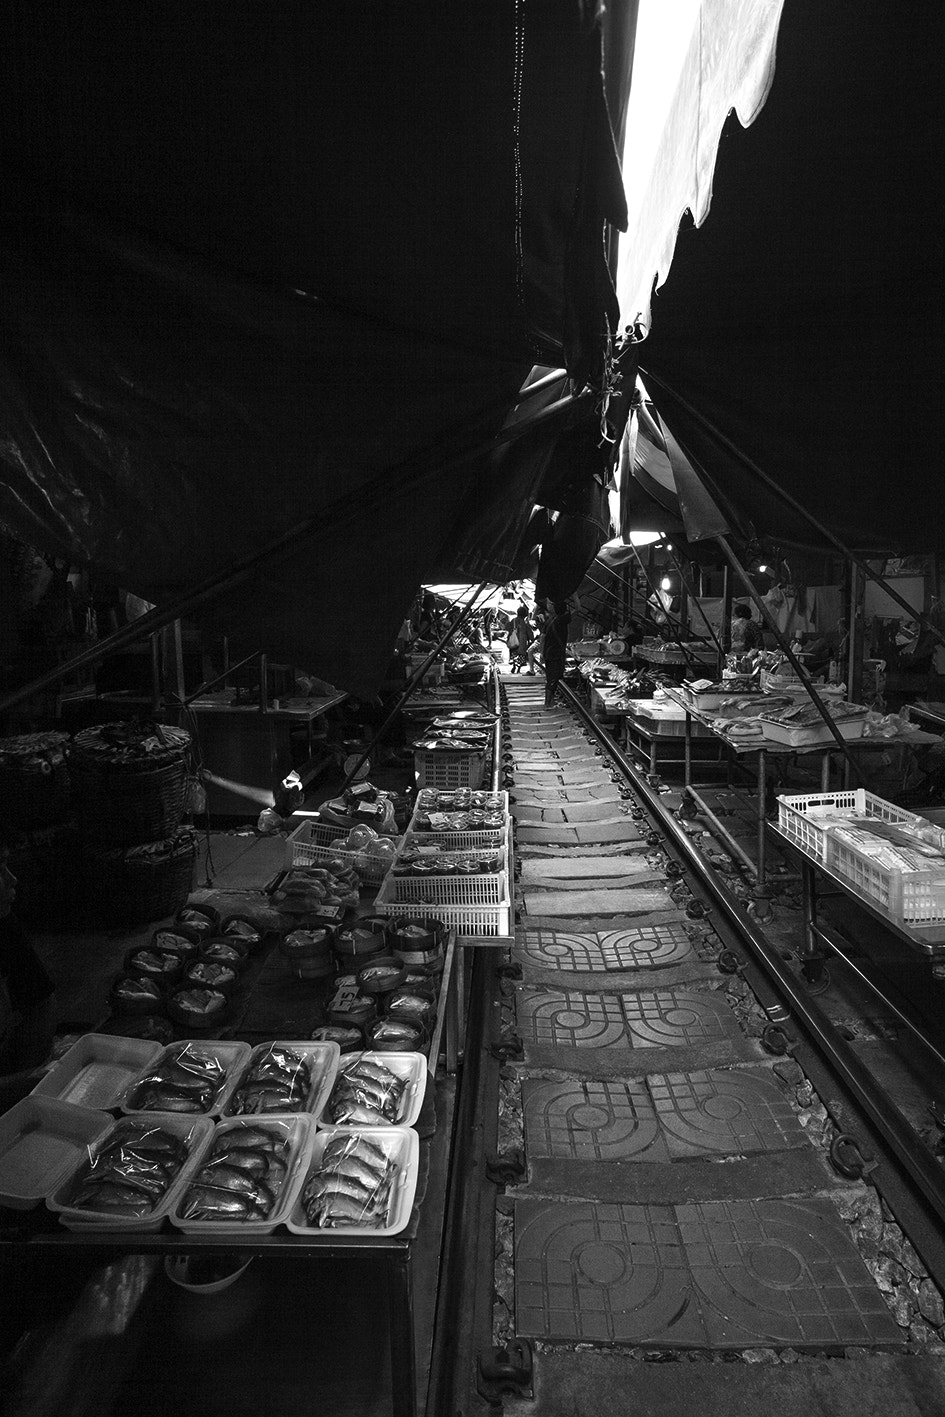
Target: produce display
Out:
[432,861]
[306,889]
[187,1078]
[473,820]
[277,1080]
[351,1185]
[131,1173]
[365,1094]
[460,799]
[240,1178]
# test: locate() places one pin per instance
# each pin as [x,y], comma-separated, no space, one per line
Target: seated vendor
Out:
[26,1016]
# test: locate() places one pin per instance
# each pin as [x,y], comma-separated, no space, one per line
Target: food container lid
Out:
[96,1071]
[41,1141]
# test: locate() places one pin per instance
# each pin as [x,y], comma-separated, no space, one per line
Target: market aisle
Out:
[638,1077]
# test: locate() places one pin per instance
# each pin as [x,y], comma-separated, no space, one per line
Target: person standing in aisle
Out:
[520,637]
[554,648]
[746,634]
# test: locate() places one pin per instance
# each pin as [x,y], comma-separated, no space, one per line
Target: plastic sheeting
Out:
[277,264]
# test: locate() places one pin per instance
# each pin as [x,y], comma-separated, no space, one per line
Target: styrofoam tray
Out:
[323,1061]
[232,1055]
[815,734]
[41,1141]
[412,1067]
[401,1145]
[97,1069]
[298,1130]
[192,1130]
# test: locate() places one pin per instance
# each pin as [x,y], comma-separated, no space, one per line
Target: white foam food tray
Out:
[232,1055]
[97,1069]
[41,1140]
[322,1059]
[814,735]
[296,1131]
[193,1131]
[414,1070]
[401,1146]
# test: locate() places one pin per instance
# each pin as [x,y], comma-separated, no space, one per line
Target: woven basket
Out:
[128,782]
[147,882]
[34,779]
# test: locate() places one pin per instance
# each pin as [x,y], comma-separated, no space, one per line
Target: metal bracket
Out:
[506,1371]
[507,1047]
[847,1158]
[776,1041]
[730,963]
[504,1168]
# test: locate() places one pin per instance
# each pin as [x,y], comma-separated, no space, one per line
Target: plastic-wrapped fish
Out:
[204,1202]
[334,1211]
[356,1114]
[356,1145]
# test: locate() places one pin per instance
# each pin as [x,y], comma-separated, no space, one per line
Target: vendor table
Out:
[252,745]
[38,1230]
[743,748]
[650,729]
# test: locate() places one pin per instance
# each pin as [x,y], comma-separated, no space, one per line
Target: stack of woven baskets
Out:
[34,818]
[128,783]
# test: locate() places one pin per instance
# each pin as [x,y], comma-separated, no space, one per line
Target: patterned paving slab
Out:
[571,1018]
[581,833]
[645,947]
[724,1274]
[558,869]
[578,904]
[570,811]
[591,1121]
[727,1112]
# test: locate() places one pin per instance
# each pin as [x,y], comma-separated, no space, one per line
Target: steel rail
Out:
[914,1156]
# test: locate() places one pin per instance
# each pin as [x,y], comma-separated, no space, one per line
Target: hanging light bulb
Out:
[666,583]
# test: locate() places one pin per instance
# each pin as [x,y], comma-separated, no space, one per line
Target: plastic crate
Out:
[461,902]
[411,843]
[449,767]
[802,817]
[309,844]
[913,898]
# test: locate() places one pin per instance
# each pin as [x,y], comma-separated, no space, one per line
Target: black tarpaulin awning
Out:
[272,262]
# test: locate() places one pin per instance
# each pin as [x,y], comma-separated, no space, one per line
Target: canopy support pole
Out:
[670,620]
[796,506]
[796,665]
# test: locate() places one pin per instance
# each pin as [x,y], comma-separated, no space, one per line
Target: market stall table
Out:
[646,727]
[248,744]
[765,749]
[38,1231]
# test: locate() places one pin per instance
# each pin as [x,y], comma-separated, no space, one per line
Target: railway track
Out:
[677,1180]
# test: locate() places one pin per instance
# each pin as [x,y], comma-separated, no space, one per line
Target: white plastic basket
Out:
[309,845]
[915,899]
[449,767]
[463,903]
[806,818]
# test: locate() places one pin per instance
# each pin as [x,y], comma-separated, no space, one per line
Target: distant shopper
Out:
[520,637]
[554,648]
[746,634]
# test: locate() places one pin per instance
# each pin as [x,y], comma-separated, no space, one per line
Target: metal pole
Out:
[695,600]
[687,656]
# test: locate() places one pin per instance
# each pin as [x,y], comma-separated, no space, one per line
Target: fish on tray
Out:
[351,1185]
[185,1080]
[279,1080]
[241,1177]
[131,1172]
[367,1094]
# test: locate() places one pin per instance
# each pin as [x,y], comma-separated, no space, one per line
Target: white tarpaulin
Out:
[729,65]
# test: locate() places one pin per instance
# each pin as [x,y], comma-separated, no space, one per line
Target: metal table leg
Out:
[762,792]
[812,955]
[825,772]
[403,1367]
[687,778]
